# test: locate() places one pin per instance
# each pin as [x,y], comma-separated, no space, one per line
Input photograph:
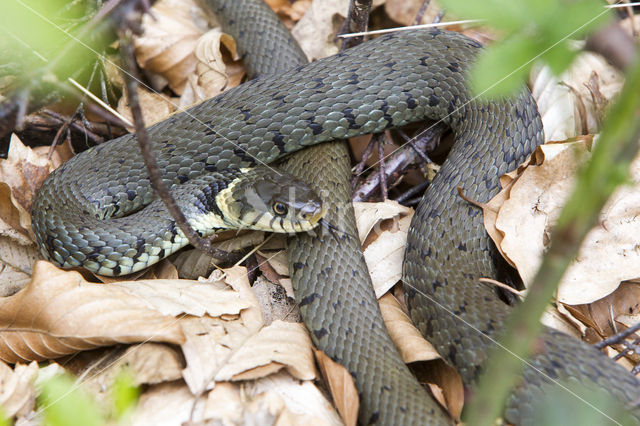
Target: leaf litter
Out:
[202,348]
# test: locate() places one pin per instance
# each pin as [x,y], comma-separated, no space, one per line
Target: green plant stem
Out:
[608,168]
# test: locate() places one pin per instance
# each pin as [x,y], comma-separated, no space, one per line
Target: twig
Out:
[399,161]
[421,11]
[381,172]
[357,22]
[615,44]
[149,159]
[618,337]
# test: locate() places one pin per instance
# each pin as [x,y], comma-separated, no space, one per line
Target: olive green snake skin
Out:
[391,81]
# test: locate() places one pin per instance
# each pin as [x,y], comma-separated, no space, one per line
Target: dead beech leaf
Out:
[302,399]
[16,263]
[168,404]
[175,297]
[59,313]
[412,346]
[17,393]
[444,382]
[610,253]
[167,44]
[155,107]
[281,343]
[343,390]
[21,174]
[213,74]
[573,104]
[383,229]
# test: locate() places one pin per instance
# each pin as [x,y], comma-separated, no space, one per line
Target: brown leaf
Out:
[343,390]
[412,346]
[17,394]
[21,174]
[170,36]
[608,255]
[59,313]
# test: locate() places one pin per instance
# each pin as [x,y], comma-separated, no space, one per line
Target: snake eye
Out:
[280,209]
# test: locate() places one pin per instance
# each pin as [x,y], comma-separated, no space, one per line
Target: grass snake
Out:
[388,82]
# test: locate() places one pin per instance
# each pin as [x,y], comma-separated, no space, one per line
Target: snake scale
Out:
[388,82]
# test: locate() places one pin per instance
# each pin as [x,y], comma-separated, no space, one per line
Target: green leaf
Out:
[4,421]
[502,69]
[507,15]
[66,405]
[125,394]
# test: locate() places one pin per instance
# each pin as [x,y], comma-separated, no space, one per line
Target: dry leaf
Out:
[571,105]
[59,313]
[409,341]
[168,404]
[21,174]
[170,36]
[444,382]
[383,227]
[343,390]
[301,398]
[610,252]
[281,344]
[155,107]
[17,393]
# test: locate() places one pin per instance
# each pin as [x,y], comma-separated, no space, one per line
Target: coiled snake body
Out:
[388,82]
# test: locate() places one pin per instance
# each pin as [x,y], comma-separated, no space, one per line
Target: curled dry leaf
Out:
[573,104]
[343,390]
[21,174]
[301,398]
[383,229]
[170,35]
[609,254]
[168,404]
[17,393]
[412,346]
[59,313]
[213,75]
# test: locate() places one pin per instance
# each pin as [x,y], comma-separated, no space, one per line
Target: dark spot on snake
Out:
[374,418]
[278,140]
[435,284]
[320,333]
[435,32]
[116,270]
[336,304]
[315,128]
[297,266]
[433,100]
[244,156]
[308,299]
[452,107]
[182,178]
[131,195]
[452,353]
[424,59]
[121,161]
[210,167]
[231,21]
[390,64]
[453,66]
[403,408]
[411,102]
[386,388]
[433,214]
[246,112]
[462,247]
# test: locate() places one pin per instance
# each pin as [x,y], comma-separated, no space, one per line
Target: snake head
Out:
[266,199]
